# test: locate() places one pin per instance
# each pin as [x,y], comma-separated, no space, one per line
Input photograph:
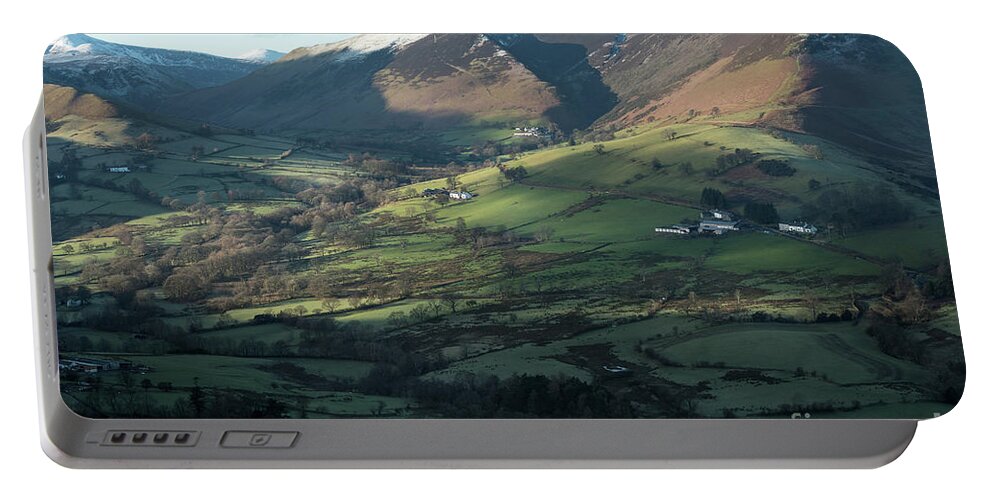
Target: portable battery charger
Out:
[486,250]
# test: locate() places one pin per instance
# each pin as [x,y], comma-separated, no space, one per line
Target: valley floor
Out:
[548,295]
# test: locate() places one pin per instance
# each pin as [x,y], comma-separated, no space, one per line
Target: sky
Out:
[228,45]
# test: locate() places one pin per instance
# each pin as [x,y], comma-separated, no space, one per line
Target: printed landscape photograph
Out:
[496,226]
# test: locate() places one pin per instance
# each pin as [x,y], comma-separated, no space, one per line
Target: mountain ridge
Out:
[132,74]
[843,87]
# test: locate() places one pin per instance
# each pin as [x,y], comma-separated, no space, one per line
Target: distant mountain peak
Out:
[261,56]
[77,43]
[359,45]
[131,73]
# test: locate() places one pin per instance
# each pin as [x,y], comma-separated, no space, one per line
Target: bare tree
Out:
[355,301]
[812,301]
[690,300]
[450,300]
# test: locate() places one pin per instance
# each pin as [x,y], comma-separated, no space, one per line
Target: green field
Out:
[251,270]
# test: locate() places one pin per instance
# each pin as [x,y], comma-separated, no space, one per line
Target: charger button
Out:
[258,439]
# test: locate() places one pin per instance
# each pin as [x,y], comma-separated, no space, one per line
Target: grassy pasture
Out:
[626,165]
[269,333]
[918,243]
[510,207]
[476,135]
[842,353]
[256,140]
[185,145]
[615,221]
[528,359]
[749,253]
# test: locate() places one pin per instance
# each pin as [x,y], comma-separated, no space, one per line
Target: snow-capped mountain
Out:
[136,74]
[358,46]
[261,56]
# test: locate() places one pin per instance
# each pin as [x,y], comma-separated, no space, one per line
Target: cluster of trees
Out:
[481,237]
[909,300]
[897,341]
[820,317]
[332,209]
[490,150]
[421,312]
[762,213]
[596,135]
[66,169]
[727,161]
[514,174]
[776,168]
[380,167]
[325,337]
[73,292]
[940,286]
[519,396]
[226,245]
[712,198]
[856,209]
[468,396]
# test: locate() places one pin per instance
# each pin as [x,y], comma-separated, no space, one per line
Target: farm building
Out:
[87,365]
[798,227]
[717,222]
[677,229]
[717,215]
[718,226]
[530,132]
[433,192]
[119,170]
[460,195]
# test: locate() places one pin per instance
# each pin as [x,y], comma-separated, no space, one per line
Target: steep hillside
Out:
[864,93]
[584,95]
[573,81]
[659,77]
[462,77]
[375,82]
[849,89]
[64,101]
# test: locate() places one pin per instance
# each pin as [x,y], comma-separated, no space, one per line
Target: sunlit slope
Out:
[649,164]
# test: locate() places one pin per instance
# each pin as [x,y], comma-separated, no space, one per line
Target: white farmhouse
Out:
[460,195]
[717,214]
[530,132]
[798,227]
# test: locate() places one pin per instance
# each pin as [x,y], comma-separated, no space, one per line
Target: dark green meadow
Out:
[244,275]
